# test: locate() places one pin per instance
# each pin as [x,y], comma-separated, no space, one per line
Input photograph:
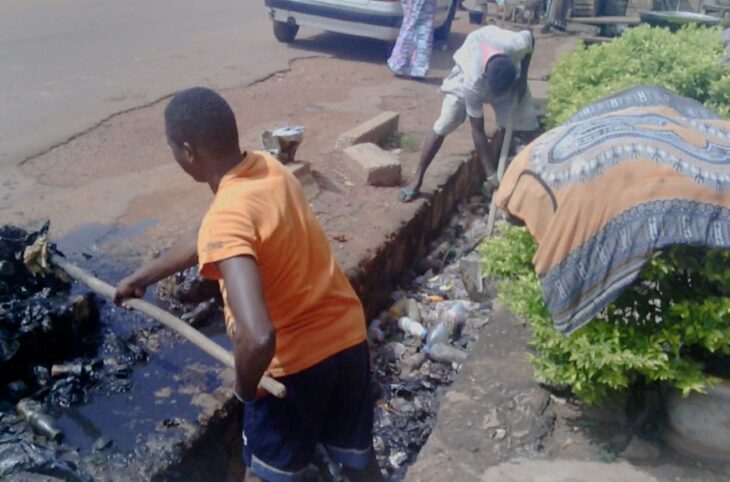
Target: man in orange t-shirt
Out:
[290,310]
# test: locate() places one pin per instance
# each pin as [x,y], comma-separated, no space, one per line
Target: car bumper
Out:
[351,21]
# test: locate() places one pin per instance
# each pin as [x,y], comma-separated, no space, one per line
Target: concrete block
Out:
[374,166]
[375,130]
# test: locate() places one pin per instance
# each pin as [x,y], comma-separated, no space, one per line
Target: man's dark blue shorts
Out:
[329,403]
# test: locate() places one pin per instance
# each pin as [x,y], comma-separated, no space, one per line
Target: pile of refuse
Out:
[419,344]
[53,350]
[196,300]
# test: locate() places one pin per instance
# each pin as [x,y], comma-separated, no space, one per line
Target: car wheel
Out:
[442,33]
[285,32]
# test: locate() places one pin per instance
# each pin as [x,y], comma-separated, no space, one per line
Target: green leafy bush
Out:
[688,62]
[660,329]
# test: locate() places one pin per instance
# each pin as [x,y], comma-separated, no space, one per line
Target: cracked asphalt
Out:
[67,65]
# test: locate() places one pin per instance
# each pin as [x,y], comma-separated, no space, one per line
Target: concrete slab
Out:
[376,130]
[373,166]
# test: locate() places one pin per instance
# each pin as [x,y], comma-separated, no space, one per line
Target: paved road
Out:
[67,64]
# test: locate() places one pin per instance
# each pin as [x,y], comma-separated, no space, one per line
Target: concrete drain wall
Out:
[376,278]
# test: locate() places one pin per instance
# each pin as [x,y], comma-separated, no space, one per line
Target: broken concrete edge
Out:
[374,279]
[375,130]
[372,165]
[214,445]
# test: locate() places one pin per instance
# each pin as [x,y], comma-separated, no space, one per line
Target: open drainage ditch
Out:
[106,394]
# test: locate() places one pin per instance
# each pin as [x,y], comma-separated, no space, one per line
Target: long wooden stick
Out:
[503,154]
[169,320]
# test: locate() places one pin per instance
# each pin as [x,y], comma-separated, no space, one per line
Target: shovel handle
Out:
[502,165]
[169,320]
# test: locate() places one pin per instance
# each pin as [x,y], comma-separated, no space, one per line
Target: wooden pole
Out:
[169,320]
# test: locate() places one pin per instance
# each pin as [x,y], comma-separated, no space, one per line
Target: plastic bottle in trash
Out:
[441,333]
[441,352]
[456,314]
[413,311]
[412,327]
[44,425]
[375,334]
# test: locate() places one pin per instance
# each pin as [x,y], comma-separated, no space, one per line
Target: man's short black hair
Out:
[204,119]
[501,74]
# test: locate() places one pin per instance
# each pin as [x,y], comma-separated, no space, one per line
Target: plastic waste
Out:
[441,333]
[399,308]
[375,333]
[44,425]
[413,311]
[412,363]
[200,314]
[20,456]
[457,313]
[67,369]
[412,327]
[444,353]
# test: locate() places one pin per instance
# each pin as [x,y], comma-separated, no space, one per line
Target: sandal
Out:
[406,195]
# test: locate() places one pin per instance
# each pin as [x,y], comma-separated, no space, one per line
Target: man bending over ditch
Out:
[490,68]
[290,310]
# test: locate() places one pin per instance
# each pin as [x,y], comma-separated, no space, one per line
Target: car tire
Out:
[442,33]
[285,32]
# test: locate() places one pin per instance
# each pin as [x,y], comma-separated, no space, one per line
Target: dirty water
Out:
[159,393]
[161,388]
[127,377]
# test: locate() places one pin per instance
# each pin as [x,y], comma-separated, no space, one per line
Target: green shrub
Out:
[660,329]
[688,62]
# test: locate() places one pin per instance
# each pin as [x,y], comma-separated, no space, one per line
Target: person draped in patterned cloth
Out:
[412,52]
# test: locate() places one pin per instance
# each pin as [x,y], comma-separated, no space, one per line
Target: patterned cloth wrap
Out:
[412,51]
[628,175]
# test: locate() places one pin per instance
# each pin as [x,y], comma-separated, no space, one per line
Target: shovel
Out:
[174,323]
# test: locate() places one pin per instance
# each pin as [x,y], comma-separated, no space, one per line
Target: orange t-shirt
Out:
[260,210]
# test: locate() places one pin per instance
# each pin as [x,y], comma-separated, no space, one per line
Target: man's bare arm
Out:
[255,339]
[182,255]
[481,144]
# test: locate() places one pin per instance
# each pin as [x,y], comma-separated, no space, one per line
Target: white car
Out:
[378,19]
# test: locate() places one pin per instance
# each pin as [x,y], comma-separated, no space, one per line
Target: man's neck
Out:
[220,167]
